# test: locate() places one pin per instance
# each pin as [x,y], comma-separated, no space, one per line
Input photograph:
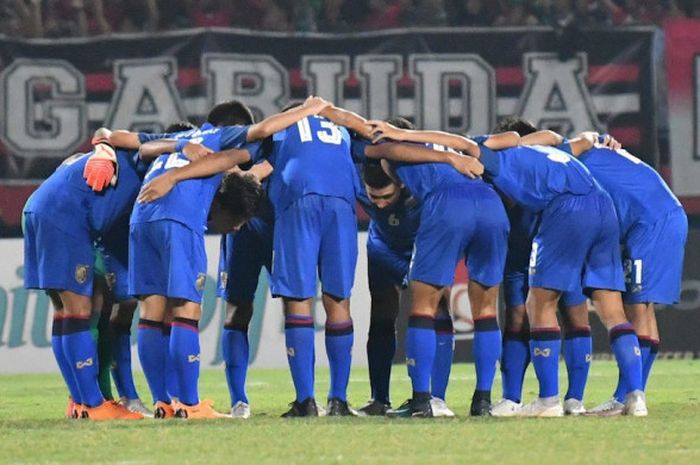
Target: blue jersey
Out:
[533,176]
[311,157]
[189,201]
[69,203]
[637,190]
[395,226]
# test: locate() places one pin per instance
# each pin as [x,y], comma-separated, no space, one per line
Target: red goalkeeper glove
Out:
[101,168]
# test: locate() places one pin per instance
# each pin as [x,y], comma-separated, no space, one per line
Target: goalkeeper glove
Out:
[101,168]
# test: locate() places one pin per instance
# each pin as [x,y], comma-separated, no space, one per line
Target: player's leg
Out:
[557,258]
[486,257]
[153,353]
[336,269]
[444,354]
[172,384]
[386,270]
[99,325]
[296,245]
[236,352]
[578,349]
[603,274]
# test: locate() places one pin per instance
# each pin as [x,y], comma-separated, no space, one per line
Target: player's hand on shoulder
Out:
[156,188]
[606,140]
[316,104]
[467,165]
[101,169]
[194,151]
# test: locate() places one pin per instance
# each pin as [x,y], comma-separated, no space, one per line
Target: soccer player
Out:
[394,219]
[170,230]
[62,219]
[575,245]
[480,237]
[653,233]
[243,255]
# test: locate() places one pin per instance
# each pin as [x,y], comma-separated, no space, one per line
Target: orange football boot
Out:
[204,410]
[110,410]
[163,410]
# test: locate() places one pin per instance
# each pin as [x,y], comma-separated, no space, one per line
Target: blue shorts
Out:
[315,231]
[386,267]
[576,245]
[166,258]
[114,246]
[653,260]
[464,220]
[56,259]
[243,255]
[523,224]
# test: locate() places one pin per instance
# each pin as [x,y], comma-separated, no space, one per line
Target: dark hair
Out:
[515,123]
[230,113]
[374,175]
[292,104]
[180,126]
[400,122]
[240,194]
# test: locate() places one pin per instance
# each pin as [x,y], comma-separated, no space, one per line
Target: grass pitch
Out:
[32,430]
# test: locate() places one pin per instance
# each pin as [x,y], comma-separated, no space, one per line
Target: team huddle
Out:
[557,221]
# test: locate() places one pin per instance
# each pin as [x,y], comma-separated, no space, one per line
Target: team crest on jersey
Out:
[111,280]
[542,352]
[223,278]
[81,273]
[199,282]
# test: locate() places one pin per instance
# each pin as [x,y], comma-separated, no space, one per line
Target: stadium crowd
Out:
[66,18]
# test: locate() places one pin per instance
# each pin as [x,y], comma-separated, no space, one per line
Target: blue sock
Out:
[444,351]
[578,349]
[381,346]
[649,360]
[487,351]
[172,385]
[121,361]
[514,361]
[63,363]
[339,339]
[299,338]
[625,346]
[645,344]
[545,346]
[420,353]
[235,352]
[152,356]
[184,350]
[80,350]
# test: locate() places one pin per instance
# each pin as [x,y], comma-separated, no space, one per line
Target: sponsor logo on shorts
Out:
[199,282]
[81,273]
[80,364]
[223,278]
[589,358]
[637,352]
[111,279]
[290,351]
[411,362]
[193,358]
[542,352]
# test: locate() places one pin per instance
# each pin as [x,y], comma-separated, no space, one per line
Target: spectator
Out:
[426,13]
[516,13]
[211,13]
[304,14]
[276,16]
[174,14]
[383,14]
[20,18]
[472,13]
[332,17]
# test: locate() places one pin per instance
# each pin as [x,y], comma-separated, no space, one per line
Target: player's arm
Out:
[543,137]
[409,153]
[261,170]
[124,139]
[348,119]
[192,150]
[384,130]
[210,165]
[503,140]
[275,123]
